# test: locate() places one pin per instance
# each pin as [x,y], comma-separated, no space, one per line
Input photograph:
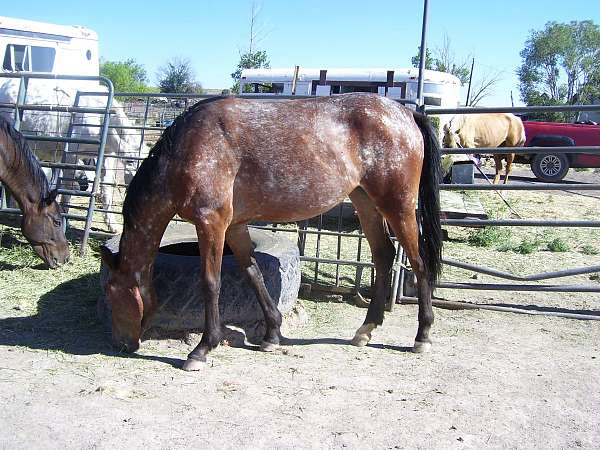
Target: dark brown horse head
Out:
[42,226]
[125,299]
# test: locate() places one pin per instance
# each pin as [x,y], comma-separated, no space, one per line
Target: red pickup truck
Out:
[554,166]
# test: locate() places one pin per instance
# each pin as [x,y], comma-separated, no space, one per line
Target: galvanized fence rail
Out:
[519,222]
[66,164]
[324,241]
[335,241]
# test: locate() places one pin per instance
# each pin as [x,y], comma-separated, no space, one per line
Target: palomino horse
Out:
[486,130]
[22,175]
[228,161]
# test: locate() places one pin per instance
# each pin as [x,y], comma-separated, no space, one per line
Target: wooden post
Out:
[295,79]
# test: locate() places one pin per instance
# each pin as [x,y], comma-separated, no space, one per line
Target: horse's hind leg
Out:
[211,237]
[383,252]
[404,223]
[498,165]
[239,241]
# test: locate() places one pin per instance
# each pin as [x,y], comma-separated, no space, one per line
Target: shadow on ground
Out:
[66,321]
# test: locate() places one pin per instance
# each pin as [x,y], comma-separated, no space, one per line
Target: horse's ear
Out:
[51,197]
[109,258]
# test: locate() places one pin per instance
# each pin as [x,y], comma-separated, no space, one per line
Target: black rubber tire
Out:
[550,167]
[176,281]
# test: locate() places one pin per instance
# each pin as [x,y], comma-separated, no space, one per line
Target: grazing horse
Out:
[486,130]
[228,161]
[22,175]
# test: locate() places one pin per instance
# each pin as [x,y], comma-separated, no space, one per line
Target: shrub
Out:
[527,246]
[558,245]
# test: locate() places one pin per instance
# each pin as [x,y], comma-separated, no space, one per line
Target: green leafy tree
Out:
[560,66]
[249,60]
[177,76]
[126,76]
[415,60]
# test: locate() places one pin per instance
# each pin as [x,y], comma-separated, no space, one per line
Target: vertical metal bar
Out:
[302,236]
[359,269]
[99,165]
[398,272]
[471,79]
[339,243]
[144,127]
[422,57]
[21,96]
[318,249]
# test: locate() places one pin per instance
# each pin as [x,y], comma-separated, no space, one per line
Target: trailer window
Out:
[14,57]
[42,59]
[28,58]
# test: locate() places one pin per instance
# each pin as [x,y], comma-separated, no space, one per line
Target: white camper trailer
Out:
[31,46]
[440,89]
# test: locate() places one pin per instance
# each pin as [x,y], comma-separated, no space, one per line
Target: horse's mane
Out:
[23,158]
[149,167]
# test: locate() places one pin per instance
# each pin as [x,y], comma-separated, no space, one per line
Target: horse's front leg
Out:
[211,238]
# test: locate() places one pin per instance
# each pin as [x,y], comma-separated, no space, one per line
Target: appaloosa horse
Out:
[22,175]
[228,161]
[486,130]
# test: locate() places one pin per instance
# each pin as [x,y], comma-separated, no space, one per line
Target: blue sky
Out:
[310,33]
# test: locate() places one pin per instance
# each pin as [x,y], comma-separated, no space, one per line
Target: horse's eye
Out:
[57,222]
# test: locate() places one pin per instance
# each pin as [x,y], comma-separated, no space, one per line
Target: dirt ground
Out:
[493,380]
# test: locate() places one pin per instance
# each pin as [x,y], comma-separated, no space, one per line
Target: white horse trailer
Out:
[31,46]
[440,89]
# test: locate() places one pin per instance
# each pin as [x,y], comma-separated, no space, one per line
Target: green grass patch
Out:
[489,236]
[558,245]
[588,249]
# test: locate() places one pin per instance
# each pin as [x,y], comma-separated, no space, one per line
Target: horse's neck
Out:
[15,175]
[140,240]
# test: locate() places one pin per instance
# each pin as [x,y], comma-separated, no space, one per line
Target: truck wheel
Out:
[550,167]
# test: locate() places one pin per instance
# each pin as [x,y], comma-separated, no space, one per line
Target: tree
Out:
[126,76]
[249,60]
[252,58]
[482,88]
[415,60]
[560,66]
[443,59]
[177,76]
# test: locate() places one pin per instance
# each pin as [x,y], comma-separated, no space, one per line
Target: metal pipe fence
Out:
[20,106]
[331,245]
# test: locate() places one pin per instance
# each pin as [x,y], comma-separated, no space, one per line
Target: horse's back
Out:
[294,159]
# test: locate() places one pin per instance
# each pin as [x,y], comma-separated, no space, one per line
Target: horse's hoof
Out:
[421,347]
[266,346]
[363,335]
[191,365]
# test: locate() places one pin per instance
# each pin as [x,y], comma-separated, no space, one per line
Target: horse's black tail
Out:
[430,237]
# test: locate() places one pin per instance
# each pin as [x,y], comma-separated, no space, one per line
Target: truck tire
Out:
[550,167]
[177,280]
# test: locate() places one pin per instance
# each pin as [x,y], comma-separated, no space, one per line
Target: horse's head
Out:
[451,136]
[42,226]
[124,297]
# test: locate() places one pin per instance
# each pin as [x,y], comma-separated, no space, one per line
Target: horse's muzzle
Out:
[126,346]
